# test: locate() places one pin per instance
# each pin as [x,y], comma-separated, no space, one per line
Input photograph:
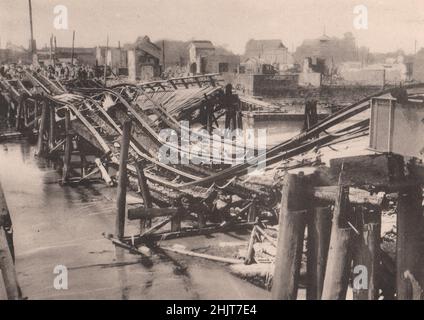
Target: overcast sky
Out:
[393,24]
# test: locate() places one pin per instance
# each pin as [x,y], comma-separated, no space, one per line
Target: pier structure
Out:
[113,133]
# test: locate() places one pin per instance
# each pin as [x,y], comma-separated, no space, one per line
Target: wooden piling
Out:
[122,180]
[7,266]
[338,265]
[367,255]
[319,231]
[339,259]
[409,222]
[41,130]
[145,193]
[290,238]
[68,148]
[52,124]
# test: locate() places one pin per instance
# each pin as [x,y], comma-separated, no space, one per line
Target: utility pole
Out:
[107,49]
[51,49]
[163,55]
[32,30]
[73,48]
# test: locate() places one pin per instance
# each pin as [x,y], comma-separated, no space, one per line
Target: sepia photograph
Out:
[233,151]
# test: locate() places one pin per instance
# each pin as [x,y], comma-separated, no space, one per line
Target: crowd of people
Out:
[67,71]
[63,71]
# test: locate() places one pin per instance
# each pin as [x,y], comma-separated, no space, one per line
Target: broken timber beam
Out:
[148,213]
[105,175]
[339,260]
[145,193]
[202,255]
[356,196]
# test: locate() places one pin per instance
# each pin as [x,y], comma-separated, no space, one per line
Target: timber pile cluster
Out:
[114,132]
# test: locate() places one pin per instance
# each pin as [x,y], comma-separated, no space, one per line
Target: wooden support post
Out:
[409,225]
[290,238]
[367,260]
[319,231]
[35,114]
[251,215]
[339,259]
[19,110]
[122,180]
[52,125]
[250,253]
[68,148]
[176,222]
[42,128]
[8,268]
[83,164]
[201,219]
[145,193]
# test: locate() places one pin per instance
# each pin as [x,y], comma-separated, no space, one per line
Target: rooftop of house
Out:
[144,44]
[255,45]
[202,44]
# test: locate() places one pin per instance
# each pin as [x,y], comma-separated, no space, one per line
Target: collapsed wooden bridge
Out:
[115,133]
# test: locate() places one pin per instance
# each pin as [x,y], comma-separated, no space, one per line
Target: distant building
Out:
[203,58]
[83,55]
[100,56]
[311,75]
[14,54]
[199,50]
[256,65]
[117,61]
[333,50]
[143,59]
[391,72]
[272,52]
[418,70]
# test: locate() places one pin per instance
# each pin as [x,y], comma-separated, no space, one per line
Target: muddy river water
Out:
[62,226]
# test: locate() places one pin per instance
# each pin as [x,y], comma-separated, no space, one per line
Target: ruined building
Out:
[272,52]
[332,49]
[144,59]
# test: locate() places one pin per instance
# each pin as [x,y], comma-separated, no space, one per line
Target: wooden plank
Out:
[202,255]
